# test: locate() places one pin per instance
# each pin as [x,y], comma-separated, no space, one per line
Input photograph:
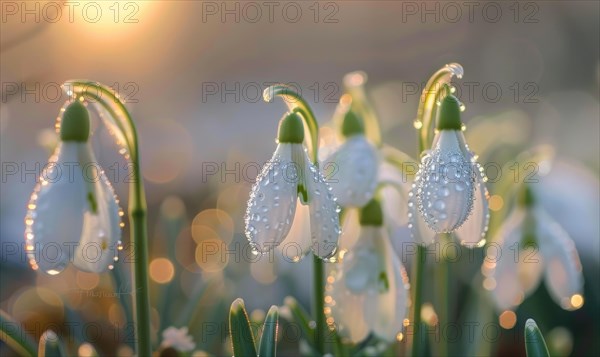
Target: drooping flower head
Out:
[449,193]
[290,175]
[73,214]
[354,165]
[533,246]
[369,290]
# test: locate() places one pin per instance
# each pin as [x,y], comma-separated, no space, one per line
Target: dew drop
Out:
[439,205]
[444,191]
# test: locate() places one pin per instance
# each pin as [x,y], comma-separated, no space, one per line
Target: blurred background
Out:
[192,72]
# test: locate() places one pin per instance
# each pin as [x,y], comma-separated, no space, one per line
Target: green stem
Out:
[319,303]
[296,103]
[417,287]
[15,337]
[443,280]
[103,96]
[354,83]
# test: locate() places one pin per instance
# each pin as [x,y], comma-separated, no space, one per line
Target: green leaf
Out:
[535,346]
[268,340]
[241,335]
[12,333]
[301,318]
[50,345]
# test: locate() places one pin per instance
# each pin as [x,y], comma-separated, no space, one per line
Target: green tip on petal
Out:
[449,114]
[75,123]
[371,214]
[526,197]
[291,129]
[352,125]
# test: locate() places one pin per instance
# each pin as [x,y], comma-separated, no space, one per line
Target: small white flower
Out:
[272,204]
[369,292]
[353,165]
[449,187]
[73,214]
[178,339]
[532,246]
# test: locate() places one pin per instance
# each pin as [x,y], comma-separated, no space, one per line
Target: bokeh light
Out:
[161,270]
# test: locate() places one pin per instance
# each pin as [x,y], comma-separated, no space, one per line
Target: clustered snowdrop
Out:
[533,245]
[449,186]
[354,164]
[73,214]
[369,288]
[290,175]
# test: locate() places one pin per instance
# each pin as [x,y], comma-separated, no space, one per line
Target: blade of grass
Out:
[242,339]
[301,318]
[268,340]
[12,333]
[535,346]
[50,345]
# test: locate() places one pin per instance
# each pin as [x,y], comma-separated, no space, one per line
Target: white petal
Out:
[350,230]
[347,310]
[395,193]
[473,231]
[357,274]
[387,305]
[298,242]
[563,269]
[101,234]
[353,168]
[513,270]
[324,214]
[55,218]
[445,184]
[272,202]
[420,231]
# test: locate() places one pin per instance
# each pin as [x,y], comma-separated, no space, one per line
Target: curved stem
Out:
[12,333]
[296,103]
[428,102]
[103,97]
[354,82]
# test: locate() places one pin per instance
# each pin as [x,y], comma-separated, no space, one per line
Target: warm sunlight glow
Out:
[109,19]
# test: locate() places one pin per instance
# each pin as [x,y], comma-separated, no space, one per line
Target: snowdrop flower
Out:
[355,164]
[450,185]
[73,214]
[533,245]
[178,339]
[272,204]
[369,292]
